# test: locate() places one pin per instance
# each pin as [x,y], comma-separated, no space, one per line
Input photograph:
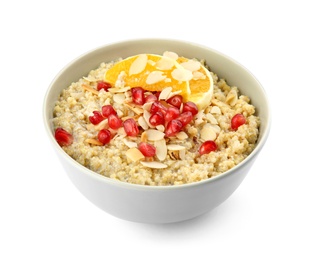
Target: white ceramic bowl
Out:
[157,204]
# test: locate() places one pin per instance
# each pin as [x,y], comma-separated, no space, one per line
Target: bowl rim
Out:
[107,180]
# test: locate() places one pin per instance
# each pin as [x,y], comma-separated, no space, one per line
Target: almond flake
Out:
[134,108]
[181,135]
[146,116]
[171,55]
[182,74]
[198,75]
[90,89]
[138,65]
[119,98]
[151,62]
[174,93]
[155,77]
[165,63]
[155,165]
[207,133]
[142,122]
[165,93]
[144,137]
[210,118]
[93,141]
[182,154]
[175,147]
[215,110]
[90,79]
[147,106]
[154,135]
[161,149]
[103,124]
[160,128]
[191,65]
[118,90]
[130,144]
[134,154]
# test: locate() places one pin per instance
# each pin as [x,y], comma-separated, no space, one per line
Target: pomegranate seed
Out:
[237,121]
[172,113]
[185,118]
[96,118]
[130,127]
[175,101]
[114,121]
[63,137]
[191,107]
[207,147]
[157,119]
[150,98]
[138,96]
[173,127]
[104,136]
[104,85]
[158,107]
[108,110]
[148,150]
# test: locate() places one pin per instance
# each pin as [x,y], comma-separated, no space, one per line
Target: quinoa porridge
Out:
[148,137]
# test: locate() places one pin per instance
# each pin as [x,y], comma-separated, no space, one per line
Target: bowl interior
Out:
[222,65]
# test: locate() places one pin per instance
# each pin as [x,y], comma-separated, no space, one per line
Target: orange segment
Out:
[201,85]
[149,71]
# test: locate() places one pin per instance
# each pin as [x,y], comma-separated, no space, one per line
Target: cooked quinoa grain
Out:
[177,160]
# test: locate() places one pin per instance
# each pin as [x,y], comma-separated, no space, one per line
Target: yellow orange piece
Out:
[201,85]
[151,72]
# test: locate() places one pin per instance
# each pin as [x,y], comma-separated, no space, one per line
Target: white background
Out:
[43,216]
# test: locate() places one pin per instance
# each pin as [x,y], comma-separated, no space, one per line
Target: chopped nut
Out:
[154,164]
[134,154]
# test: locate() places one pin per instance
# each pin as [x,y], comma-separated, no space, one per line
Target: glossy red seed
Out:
[114,121]
[130,127]
[157,107]
[173,127]
[185,118]
[172,113]
[207,147]
[104,136]
[104,85]
[191,107]
[138,96]
[96,118]
[63,137]
[108,110]
[237,120]
[157,119]
[175,101]
[148,150]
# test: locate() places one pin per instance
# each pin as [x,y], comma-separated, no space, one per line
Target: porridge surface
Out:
[181,162]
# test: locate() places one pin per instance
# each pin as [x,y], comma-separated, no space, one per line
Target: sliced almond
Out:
[154,164]
[103,124]
[182,135]
[142,122]
[165,63]
[134,154]
[93,141]
[90,89]
[182,74]
[128,143]
[207,133]
[90,79]
[118,90]
[160,128]
[198,75]
[171,55]
[155,77]
[175,147]
[182,154]
[191,65]
[211,119]
[144,137]
[215,110]
[165,93]
[119,98]
[146,116]
[136,109]
[138,64]
[154,135]
[161,150]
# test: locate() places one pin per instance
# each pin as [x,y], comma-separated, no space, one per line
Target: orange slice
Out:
[201,85]
[151,72]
